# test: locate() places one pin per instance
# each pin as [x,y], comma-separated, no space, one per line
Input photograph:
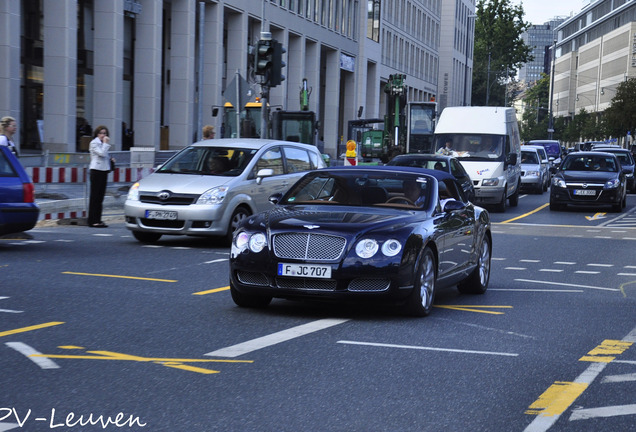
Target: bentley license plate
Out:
[161,214]
[304,270]
[585,192]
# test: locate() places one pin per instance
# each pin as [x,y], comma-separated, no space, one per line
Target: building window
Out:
[373,20]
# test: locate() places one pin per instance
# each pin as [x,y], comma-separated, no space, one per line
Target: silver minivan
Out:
[210,186]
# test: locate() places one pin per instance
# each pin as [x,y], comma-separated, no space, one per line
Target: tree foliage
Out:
[620,116]
[499,49]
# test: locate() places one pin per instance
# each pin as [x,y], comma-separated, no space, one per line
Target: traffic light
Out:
[263,63]
[276,76]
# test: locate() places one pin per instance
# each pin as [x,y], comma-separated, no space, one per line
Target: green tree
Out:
[535,119]
[620,116]
[499,50]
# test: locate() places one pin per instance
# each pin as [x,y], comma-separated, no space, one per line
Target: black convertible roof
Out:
[439,175]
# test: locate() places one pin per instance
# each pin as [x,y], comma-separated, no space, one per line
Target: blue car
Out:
[18,210]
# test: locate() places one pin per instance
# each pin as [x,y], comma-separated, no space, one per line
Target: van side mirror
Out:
[512,158]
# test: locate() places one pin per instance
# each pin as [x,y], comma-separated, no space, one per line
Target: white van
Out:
[486,142]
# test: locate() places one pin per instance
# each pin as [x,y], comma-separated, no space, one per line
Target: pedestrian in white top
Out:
[8,127]
[99,169]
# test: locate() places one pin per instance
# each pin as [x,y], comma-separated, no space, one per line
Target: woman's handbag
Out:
[112,165]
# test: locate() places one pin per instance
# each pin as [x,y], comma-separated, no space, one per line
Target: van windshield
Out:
[478,147]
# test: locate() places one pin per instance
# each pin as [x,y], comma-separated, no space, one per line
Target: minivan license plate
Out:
[304,270]
[161,215]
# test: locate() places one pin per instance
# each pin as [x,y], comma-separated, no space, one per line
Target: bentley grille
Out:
[308,246]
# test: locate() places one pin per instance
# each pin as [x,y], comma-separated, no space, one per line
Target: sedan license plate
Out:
[584,192]
[161,214]
[304,270]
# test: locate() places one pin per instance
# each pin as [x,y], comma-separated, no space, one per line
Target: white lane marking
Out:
[27,351]
[551,270]
[567,284]
[600,265]
[626,274]
[529,260]
[10,311]
[537,290]
[619,378]
[276,338]
[565,262]
[515,268]
[8,426]
[625,361]
[103,235]
[216,261]
[383,345]
[543,423]
[630,267]
[609,411]
[587,272]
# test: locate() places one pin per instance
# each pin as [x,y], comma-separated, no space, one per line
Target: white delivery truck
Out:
[486,142]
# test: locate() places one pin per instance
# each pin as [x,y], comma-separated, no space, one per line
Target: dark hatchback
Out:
[447,164]
[361,234]
[18,210]
[589,179]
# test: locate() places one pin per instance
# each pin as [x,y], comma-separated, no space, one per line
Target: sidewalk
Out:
[67,203]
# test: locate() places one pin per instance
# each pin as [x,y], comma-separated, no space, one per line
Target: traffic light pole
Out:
[264,113]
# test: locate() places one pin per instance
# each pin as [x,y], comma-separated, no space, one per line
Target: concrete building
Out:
[158,67]
[456,53]
[595,52]
[539,37]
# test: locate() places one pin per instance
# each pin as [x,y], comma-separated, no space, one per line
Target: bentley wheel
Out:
[248,300]
[146,237]
[477,282]
[420,302]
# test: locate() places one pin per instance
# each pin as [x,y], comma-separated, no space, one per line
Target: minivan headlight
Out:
[490,182]
[213,196]
[133,192]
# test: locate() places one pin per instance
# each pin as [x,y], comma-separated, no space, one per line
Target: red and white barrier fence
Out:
[80,175]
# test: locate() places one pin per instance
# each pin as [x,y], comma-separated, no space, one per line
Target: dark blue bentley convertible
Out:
[383,233]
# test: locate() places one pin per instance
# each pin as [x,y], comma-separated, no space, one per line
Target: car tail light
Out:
[28,192]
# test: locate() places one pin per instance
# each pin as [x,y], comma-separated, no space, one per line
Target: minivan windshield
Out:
[215,161]
[471,146]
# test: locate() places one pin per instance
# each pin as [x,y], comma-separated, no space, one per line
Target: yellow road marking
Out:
[211,291]
[30,328]
[477,308]
[119,276]
[603,352]
[526,214]
[596,216]
[622,287]
[176,363]
[557,398]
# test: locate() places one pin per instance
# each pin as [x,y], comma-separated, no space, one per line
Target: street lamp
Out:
[551,118]
[468,31]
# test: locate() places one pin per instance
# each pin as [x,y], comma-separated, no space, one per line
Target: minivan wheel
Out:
[238,216]
[514,198]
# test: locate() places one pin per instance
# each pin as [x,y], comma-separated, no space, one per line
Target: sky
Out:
[541,11]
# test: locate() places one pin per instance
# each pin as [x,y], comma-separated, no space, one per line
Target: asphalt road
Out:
[93,323]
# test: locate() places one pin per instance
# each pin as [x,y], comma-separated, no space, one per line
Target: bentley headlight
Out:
[257,242]
[241,240]
[490,182]
[612,184]
[366,248]
[213,196]
[558,182]
[133,192]
[391,247]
